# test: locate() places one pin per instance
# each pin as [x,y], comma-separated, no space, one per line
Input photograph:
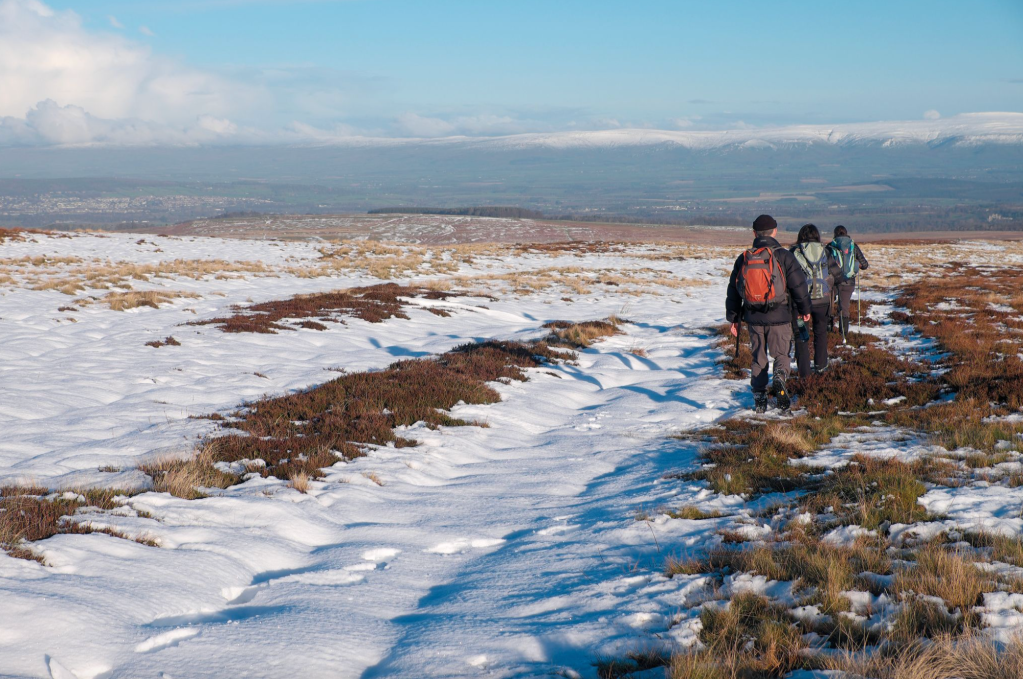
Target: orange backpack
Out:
[761,280]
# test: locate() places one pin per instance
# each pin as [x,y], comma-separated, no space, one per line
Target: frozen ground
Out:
[507,551]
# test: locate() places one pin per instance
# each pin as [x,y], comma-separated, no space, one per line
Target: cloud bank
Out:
[62,84]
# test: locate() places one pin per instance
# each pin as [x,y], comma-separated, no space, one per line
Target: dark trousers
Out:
[820,318]
[845,293]
[767,341]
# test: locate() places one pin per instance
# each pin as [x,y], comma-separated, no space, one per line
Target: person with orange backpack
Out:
[766,280]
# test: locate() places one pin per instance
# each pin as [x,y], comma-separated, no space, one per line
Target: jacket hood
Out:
[765,242]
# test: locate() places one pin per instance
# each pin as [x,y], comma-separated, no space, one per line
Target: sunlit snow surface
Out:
[506,551]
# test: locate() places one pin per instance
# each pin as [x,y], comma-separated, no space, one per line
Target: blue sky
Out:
[450,66]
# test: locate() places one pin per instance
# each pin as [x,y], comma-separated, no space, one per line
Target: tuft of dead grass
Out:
[749,637]
[300,482]
[186,478]
[944,656]
[949,575]
[581,335]
[122,301]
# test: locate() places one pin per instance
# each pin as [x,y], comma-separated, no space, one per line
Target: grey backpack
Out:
[813,258]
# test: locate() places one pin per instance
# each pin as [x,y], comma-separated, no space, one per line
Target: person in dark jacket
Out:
[845,286]
[770,327]
[822,271]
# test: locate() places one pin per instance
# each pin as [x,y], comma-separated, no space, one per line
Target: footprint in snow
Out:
[463,545]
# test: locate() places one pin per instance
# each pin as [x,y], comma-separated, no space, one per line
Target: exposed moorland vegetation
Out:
[877,585]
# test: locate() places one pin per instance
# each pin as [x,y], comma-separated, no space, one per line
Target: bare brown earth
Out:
[452,230]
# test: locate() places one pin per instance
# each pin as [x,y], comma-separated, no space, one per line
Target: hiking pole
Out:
[859,308]
[738,331]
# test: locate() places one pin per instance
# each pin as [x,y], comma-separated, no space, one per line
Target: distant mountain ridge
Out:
[966,129]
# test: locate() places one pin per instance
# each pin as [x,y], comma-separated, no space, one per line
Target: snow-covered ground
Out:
[512,549]
[507,551]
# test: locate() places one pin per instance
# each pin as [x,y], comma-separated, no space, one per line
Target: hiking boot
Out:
[821,370]
[781,392]
[760,401]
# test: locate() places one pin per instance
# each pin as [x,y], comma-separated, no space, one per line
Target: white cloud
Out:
[74,83]
[931,115]
[114,22]
[51,124]
[146,30]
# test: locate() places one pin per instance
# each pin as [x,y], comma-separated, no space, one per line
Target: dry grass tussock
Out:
[190,478]
[122,301]
[943,657]
[582,335]
[299,482]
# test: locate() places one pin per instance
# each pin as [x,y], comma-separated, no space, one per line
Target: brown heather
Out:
[375,303]
[296,436]
[29,514]
[166,342]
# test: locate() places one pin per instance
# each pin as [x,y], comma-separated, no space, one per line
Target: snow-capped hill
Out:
[967,129]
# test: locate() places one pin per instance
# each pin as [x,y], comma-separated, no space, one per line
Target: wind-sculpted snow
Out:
[509,547]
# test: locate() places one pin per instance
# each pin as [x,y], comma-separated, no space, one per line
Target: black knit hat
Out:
[764,224]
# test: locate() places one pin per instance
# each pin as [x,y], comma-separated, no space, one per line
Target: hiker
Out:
[850,258]
[822,270]
[764,280]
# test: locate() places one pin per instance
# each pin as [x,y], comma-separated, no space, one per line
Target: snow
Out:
[846,536]
[993,508]
[511,551]
[512,548]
